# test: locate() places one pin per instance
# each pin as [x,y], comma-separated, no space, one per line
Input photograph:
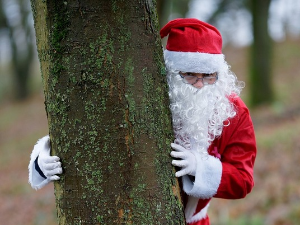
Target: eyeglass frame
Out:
[198,78]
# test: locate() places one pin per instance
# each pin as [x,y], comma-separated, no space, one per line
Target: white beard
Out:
[199,115]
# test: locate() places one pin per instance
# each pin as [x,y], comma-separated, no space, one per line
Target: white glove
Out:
[187,160]
[50,165]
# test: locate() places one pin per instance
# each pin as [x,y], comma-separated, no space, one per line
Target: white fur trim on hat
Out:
[207,178]
[195,62]
[35,179]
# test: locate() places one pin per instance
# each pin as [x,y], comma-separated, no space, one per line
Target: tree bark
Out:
[107,107]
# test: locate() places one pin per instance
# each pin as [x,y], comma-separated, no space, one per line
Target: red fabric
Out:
[192,35]
[237,149]
[201,204]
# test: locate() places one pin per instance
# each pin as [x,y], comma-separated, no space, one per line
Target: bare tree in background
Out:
[261,54]
[165,8]
[21,40]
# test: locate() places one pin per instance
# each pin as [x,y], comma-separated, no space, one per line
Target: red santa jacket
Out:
[228,170]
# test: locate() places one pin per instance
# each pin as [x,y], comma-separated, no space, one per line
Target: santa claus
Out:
[214,145]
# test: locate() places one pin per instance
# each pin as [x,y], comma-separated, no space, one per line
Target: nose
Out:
[198,84]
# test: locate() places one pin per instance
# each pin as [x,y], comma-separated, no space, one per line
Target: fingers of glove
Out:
[53,178]
[181,173]
[181,155]
[178,147]
[49,159]
[180,163]
[50,173]
[52,166]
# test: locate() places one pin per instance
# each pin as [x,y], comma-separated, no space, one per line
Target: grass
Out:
[275,199]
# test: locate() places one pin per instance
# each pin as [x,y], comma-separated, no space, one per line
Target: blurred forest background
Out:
[262,45]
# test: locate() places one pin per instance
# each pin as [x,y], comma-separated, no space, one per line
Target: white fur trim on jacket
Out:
[207,177]
[190,210]
[195,62]
[35,179]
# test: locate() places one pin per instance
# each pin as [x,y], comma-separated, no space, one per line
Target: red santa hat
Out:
[193,46]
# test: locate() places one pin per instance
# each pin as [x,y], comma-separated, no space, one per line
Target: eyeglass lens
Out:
[204,80]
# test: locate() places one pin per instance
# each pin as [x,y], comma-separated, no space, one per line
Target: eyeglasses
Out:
[207,79]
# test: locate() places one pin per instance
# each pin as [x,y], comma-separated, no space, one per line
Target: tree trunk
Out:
[261,54]
[107,107]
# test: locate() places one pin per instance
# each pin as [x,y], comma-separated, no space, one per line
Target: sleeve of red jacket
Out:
[237,147]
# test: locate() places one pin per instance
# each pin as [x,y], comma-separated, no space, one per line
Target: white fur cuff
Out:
[35,179]
[207,178]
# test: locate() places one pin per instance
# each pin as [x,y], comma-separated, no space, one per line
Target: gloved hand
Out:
[49,165]
[187,160]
